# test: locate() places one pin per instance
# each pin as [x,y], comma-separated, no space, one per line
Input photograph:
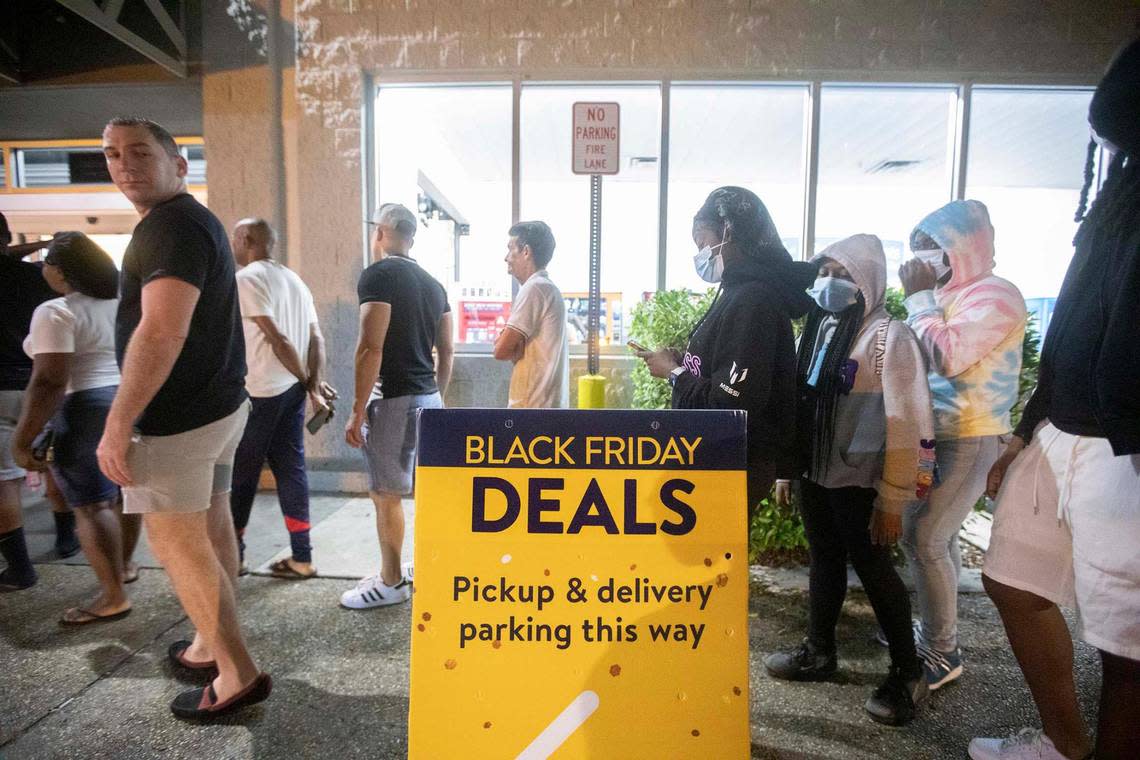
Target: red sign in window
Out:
[482,321]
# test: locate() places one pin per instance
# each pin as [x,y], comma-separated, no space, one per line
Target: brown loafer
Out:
[177,655]
[203,704]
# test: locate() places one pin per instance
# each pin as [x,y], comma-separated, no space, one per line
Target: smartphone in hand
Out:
[634,345]
[318,420]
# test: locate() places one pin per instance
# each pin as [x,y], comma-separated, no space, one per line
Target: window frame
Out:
[958,137]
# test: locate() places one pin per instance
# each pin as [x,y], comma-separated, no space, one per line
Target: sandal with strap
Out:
[177,655]
[77,616]
[282,569]
[202,704]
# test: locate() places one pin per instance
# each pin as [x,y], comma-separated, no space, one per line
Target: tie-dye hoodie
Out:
[971,328]
[883,431]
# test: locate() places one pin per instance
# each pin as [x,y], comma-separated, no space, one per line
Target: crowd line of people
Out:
[162,390]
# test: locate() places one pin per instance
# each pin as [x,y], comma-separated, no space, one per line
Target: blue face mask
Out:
[833,294]
[710,264]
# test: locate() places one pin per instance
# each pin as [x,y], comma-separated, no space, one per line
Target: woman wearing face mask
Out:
[741,355]
[866,433]
[74,379]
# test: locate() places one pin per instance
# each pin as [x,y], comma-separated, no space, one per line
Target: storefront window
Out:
[445,153]
[885,161]
[1026,162]
[729,134]
[630,199]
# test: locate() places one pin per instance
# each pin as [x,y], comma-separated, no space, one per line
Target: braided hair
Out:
[1090,164]
[1118,202]
[816,410]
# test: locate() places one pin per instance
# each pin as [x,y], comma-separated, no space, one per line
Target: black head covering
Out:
[85,265]
[1115,109]
[750,227]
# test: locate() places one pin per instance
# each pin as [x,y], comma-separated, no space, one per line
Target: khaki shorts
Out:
[181,472]
[9,416]
[1065,528]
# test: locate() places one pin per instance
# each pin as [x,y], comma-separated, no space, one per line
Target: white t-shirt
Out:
[540,379]
[83,326]
[268,289]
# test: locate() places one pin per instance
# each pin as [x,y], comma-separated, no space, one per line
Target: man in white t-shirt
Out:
[535,335]
[284,352]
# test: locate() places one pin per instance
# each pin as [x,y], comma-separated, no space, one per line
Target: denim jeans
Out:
[274,433]
[930,533]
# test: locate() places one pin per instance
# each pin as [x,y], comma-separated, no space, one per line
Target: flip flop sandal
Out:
[177,655]
[69,620]
[203,704]
[282,569]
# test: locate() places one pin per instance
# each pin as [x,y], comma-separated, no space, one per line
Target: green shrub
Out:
[776,536]
[664,319]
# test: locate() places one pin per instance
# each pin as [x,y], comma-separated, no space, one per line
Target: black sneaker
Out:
[895,701]
[805,663]
[10,580]
[67,547]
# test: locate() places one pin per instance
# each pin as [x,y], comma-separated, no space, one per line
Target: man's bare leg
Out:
[1044,650]
[390,531]
[203,580]
[220,525]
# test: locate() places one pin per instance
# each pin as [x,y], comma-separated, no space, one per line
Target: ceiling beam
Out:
[92,13]
[112,9]
[167,23]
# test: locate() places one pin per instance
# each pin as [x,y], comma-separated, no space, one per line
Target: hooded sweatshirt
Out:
[884,431]
[971,329]
[742,355]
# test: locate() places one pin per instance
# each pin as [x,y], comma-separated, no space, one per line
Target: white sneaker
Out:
[373,592]
[1027,744]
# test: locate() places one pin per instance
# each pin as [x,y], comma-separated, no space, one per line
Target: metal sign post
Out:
[596,151]
[595,283]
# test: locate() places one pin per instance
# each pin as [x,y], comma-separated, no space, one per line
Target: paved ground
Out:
[341,676]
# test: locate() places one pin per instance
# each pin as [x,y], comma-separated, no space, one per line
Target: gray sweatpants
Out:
[930,533]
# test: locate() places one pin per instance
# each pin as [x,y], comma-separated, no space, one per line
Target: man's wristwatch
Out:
[677,372]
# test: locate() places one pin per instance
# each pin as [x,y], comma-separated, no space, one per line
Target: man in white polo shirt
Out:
[535,335]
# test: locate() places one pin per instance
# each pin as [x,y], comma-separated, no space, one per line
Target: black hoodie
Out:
[1089,381]
[742,355]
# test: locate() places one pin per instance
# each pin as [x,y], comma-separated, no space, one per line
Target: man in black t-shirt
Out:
[23,289]
[403,315]
[181,407]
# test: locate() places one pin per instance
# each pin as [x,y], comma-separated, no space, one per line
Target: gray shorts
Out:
[9,416]
[179,473]
[390,441]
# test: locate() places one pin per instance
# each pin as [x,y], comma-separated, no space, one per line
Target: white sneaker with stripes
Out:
[372,592]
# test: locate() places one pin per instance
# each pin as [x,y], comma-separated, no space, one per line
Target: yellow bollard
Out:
[591,392]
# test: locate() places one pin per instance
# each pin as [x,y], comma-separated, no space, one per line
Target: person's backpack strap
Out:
[881,344]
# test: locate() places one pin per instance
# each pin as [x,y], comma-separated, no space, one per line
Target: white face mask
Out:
[933,257]
[710,265]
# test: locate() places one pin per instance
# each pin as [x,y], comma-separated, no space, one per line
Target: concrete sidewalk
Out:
[341,677]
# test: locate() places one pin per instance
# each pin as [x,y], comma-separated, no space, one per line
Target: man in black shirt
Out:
[171,433]
[403,314]
[23,290]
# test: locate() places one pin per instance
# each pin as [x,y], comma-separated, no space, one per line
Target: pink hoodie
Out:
[971,328]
